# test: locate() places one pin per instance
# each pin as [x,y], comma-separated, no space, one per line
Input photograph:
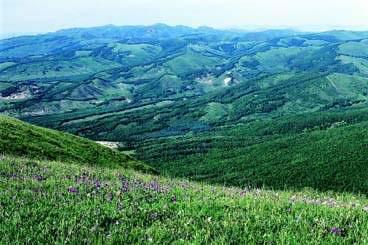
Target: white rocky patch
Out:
[109,144]
[208,81]
[227,81]
[18,95]
[205,80]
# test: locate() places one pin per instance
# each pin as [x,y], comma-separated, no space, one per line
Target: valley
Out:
[159,90]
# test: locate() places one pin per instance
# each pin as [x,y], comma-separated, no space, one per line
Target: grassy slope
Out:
[110,206]
[21,139]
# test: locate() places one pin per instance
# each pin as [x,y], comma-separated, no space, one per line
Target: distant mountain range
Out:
[176,79]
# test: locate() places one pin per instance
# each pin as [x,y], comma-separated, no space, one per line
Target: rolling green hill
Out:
[21,139]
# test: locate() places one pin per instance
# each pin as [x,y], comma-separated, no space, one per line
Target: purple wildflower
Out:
[153,186]
[97,184]
[72,190]
[337,231]
[39,177]
[173,199]
[124,183]
[125,186]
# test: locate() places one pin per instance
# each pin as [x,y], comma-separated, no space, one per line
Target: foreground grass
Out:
[48,202]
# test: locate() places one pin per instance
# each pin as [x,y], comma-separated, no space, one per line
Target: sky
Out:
[38,16]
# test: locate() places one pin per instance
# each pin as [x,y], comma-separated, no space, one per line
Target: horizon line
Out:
[235,28]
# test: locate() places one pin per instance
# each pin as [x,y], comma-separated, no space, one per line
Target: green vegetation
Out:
[324,151]
[21,139]
[102,74]
[278,108]
[52,202]
[211,105]
[359,49]
[275,121]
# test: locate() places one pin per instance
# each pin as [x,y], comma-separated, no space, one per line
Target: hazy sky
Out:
[28,16]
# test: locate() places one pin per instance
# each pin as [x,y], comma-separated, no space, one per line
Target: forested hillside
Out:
[118,83]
